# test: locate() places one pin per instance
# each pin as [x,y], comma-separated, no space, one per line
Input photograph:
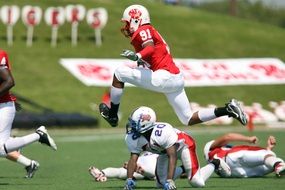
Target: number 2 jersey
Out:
[160,58]
[162,137]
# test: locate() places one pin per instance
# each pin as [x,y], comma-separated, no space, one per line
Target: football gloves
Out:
[130,184]
[130,55]
[169,185]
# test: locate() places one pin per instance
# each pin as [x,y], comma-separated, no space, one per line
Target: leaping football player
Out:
[156,71]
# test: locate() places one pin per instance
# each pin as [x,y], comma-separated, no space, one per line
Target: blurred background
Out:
[202,29]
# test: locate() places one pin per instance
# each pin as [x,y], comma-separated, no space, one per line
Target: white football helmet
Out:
[134,16]
[142,119]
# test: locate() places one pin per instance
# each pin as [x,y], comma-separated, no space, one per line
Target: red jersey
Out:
[161,57]
[4,64]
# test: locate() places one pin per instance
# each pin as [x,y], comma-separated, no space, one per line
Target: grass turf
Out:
[67,169]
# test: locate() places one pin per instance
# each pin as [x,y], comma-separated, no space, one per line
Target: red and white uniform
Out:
[164,136]
[7,107]
[161,73]
[161,57]
[244,160]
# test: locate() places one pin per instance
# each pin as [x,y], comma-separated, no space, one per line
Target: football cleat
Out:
[221,167]
[234,109]
[45,137]
[280,169]
[97,174]
[104,112]
[31,169]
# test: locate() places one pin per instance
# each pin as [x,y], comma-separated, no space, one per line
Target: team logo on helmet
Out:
[135,13]
[145,117]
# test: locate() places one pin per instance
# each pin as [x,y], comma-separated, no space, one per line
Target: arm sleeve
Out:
[146,52]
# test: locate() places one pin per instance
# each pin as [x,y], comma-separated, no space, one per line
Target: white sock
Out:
[116,94]
[16,143]
[271,160]
[206,114]
[120,173]
[24,160]
[207,171]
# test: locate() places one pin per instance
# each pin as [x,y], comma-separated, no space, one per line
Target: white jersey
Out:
[162,137]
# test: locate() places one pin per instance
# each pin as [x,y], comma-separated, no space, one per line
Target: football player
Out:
[245,160]
[145,134]
[145,169]
[157,72]
[8,104]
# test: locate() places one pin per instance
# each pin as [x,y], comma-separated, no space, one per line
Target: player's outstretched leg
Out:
[105,113]
[45,137]
[234,110]
[31,169]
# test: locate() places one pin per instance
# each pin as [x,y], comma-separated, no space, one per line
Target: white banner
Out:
[197,72]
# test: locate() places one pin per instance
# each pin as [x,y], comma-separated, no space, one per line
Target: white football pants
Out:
[172,85]
[247,163]
[7,114]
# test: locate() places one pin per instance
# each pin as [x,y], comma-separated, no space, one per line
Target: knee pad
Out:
[121,72]
[197,181]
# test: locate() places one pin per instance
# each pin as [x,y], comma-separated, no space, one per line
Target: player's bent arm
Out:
[132,165]
[148,49]
[232,137]
[271,142]
[172,156]
[6,81]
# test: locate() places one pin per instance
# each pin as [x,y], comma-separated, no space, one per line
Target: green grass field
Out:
[67,168]
[191,33]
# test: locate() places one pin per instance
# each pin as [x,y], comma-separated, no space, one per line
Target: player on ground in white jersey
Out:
[245,160]
[145,169]
[145,134]
[157,72]
[10,144]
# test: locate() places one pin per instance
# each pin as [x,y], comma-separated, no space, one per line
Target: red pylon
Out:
[250,125]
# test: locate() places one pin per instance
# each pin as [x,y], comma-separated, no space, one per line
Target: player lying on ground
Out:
[145,134]
[245,160]
[157,72]
[145,169]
